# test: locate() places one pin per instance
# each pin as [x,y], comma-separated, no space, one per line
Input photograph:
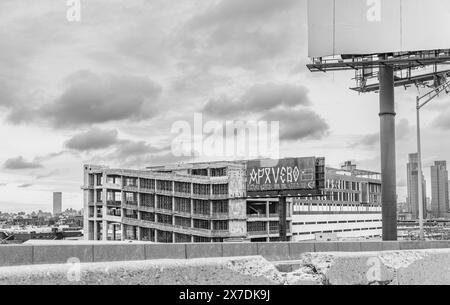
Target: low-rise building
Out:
[350,207]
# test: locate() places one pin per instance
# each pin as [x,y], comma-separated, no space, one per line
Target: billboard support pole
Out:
[283,218]
[387,143]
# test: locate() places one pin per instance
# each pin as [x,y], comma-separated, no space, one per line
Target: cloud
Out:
[242,34]
[20,163]
[91,98]
[442,121]
[403,129]
[369,140]
[24,186]
[149,160]
[298,124]
[286,103]
[49,174]
[128,153]
[93,139]
[237,11]
[7,96]
[259,98]
[128,148]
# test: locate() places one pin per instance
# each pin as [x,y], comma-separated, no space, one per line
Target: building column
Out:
[104,230]
[95,229]
[139,233]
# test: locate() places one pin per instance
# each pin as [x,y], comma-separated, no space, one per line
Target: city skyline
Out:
[187,64]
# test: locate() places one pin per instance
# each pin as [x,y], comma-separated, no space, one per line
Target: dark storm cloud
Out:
[90,98]
[259,98]
[298,124]
[93,139]
[20,163]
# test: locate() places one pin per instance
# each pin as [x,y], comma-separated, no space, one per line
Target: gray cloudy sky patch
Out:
[113,84]
[442,121]
[298,124]
[259,98]
[127,148]
[24,186]
[93,139]
[242,34]
[91,98]
[20,163]
[371,141]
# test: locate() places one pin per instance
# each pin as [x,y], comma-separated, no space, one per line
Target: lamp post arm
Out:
[432,94]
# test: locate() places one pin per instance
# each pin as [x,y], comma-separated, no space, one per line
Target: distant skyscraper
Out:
[57,203]
[413,189]
[439,189]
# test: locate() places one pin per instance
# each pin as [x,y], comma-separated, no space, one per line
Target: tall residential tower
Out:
[439,189]
[413,187]
[57,203]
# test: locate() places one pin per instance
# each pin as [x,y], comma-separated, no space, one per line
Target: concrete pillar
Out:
[139,233]
[283,223]
[138,199]
[95,229]
[104,230]
[388,156]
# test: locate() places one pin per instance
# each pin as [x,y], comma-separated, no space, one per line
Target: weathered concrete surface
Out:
[214,271]
[55,252]
[413,267]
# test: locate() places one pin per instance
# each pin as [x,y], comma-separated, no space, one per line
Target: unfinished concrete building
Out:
[207,202]
[174,204]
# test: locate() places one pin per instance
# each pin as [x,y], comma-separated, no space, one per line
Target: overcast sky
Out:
[107,90]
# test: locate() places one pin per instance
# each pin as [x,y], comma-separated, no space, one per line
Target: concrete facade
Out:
[350,207]
[167,205]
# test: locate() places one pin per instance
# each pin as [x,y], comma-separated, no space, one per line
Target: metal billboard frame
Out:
[389,70]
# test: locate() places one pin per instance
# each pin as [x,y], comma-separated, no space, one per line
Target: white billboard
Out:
[338,27]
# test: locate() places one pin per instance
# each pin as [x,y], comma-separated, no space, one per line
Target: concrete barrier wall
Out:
[85,252]
[405,267]
[244,271]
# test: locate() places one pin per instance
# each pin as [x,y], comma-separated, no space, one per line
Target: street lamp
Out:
[419,105]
